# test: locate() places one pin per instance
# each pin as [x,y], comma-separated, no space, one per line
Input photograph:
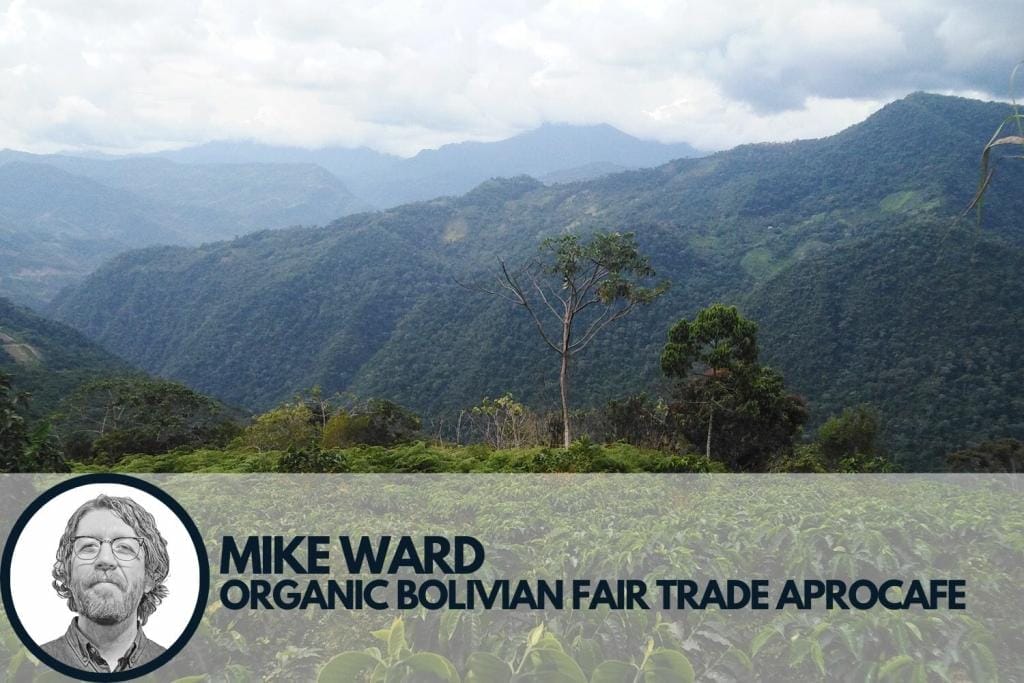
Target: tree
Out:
[574,283]
[377,423]
[849,441]
[14,437]
[109,418]
[24,448]
[290,426]
[724,391]
[998,455]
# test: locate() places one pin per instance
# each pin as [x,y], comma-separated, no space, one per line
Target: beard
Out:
[105,598]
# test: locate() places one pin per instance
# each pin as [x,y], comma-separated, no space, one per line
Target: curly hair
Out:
[153,544]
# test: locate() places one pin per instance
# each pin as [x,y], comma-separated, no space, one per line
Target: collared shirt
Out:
[75,650]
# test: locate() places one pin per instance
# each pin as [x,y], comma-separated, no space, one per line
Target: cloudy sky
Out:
[399,76]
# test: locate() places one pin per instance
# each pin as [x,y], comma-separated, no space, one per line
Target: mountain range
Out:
[553,153]
[838,246]
[61,216]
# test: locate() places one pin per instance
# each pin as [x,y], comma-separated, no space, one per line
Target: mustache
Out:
[101,577]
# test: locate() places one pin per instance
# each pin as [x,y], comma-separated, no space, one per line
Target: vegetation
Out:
[715,359]
[927,335]
[792,233]
[730,526]
[999,455]
[603,274]
[104,420]
[62,216]
[23,448]
[50,360]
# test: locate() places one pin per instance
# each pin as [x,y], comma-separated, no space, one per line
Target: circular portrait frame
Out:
[46,497]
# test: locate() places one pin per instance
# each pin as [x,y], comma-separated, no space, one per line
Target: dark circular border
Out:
[183,517]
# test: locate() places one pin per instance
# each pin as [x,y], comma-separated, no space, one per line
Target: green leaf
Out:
[348,666]
[549,642]
[449,622]
[894,665]
[551,666]
[430,663]
[485,667]
[613,671]
[761,639]
[668,666]
[396,639]
[535,635]
[818,656]
[192,679]
[742,657]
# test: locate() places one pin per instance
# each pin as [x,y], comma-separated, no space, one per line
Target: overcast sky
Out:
[133,75]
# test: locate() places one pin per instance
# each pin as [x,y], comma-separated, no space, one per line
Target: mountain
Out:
[578,173]
[924,324]
[55,228]
[61,216]
[373,303]
[387,181]
[48,359]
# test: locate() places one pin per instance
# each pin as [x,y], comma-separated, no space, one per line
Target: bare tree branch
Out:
[597,326]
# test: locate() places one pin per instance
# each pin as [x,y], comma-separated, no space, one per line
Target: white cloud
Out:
[401,76]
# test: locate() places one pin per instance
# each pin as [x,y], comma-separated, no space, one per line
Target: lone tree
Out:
[741,401]
[574,284]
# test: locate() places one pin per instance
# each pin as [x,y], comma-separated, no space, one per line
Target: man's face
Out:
[107,589]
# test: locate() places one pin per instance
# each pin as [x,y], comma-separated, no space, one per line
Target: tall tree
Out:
[724,391]
[575,285]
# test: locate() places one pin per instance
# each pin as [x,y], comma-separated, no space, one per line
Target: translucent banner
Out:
[515,577]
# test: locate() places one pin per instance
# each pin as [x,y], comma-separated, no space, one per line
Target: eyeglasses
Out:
[125,548]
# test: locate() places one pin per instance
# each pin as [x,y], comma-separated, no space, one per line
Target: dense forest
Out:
[849,252]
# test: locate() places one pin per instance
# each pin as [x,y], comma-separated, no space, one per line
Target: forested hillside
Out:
[923,323]
[49,360]
[61,216]
[385,305]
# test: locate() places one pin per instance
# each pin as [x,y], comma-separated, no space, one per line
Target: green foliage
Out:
[998,455]
[718,339]
[49,360]
[723,396]
[289,426]
[922,323]
[581,456]
[106,419]
[23,447]
[379,423]
[640,421]
[543,658]
[819,241]
[849,442]
[504,422]
[605,274]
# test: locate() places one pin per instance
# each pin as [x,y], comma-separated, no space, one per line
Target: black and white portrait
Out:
[104,578]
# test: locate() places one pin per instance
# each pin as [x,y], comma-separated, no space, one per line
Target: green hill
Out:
[924,324]
[60,216]
[48,359]
[372,303]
